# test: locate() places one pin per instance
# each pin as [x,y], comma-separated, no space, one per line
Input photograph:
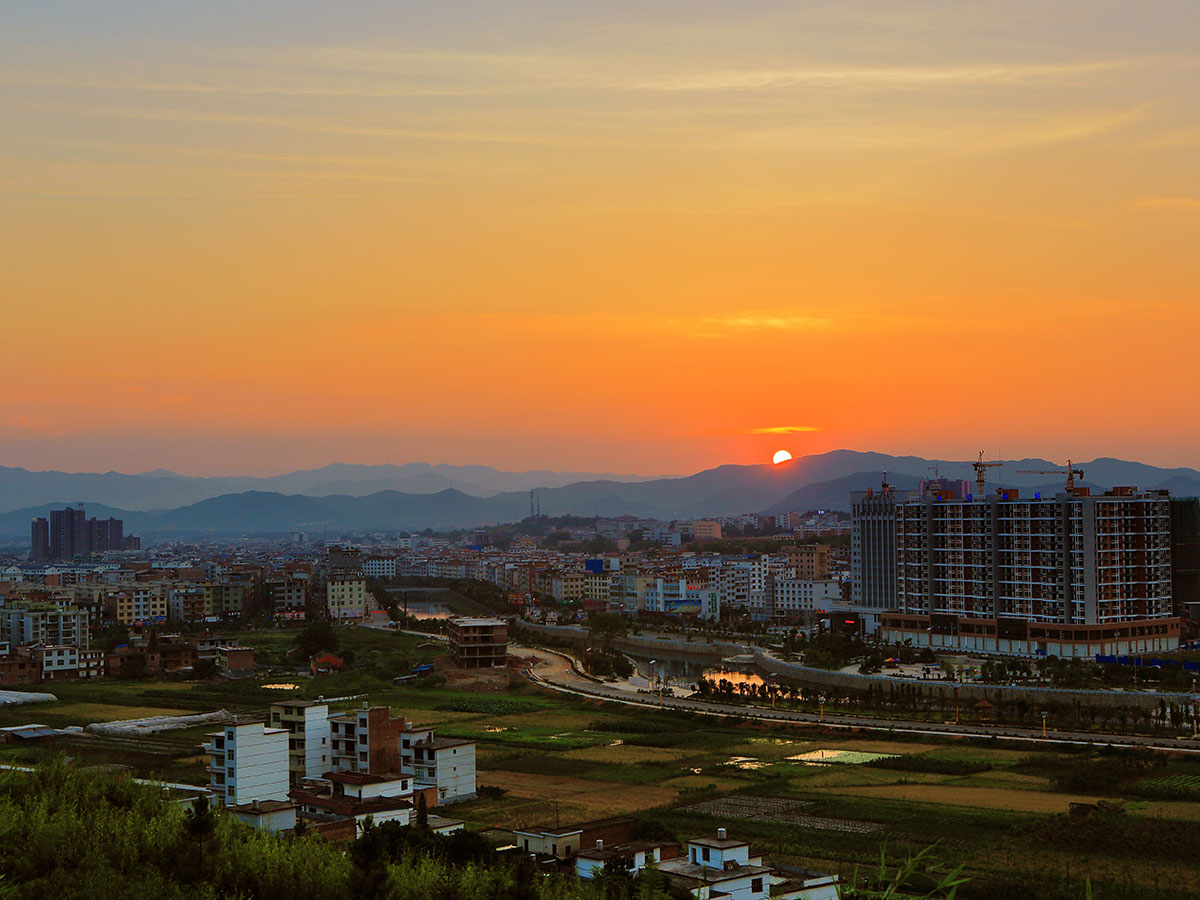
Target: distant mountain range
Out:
[162,489]
[353,502]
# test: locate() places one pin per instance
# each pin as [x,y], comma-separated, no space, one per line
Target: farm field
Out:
[543,757]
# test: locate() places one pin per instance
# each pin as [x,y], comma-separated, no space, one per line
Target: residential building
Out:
[17,666]
[346,597]
[69,533]
[235,660]
[56,661]
[39,541]
[359,796]
[1071,575]
[809,561]
[288,597]
[724,868]
[478,643]
[185,604]
[627,592]
[563,842]
[873,550]
[366,740]
[632,856]
[446,764]
[310,753]
[224,601]
[383,567]
[272,816]
[705,530]
[25,622]
[248,762]
[797,597]
[1185,555]
[370,740]
[138,604]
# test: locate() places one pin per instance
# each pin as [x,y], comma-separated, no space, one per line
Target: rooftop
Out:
[718,843]
[621,849]
[362,778]
[264,806]
[692,873]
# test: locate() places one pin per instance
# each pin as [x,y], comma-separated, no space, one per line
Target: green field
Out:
[1000,809]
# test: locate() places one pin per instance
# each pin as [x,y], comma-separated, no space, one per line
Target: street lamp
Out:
[821,706]
[772,678]
[653,678]
[1044,715]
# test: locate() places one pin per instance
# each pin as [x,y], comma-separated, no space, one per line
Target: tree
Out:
[606,627]
[316,637]
[204,669]
[199,825]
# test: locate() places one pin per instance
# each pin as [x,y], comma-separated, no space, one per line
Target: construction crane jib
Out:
[1070,472]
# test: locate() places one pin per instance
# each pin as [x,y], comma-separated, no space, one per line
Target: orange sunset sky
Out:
[635,237]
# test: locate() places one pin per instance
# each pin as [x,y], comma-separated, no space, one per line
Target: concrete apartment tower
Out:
[310,747]
[248,763]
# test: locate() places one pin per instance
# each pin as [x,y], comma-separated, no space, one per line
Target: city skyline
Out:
[246,240]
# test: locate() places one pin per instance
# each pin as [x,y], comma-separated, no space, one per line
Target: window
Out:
[706,854]
[756,886]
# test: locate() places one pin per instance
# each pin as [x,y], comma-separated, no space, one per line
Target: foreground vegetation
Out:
[71,834]
[998,809]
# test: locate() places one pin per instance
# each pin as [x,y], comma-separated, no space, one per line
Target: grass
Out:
[999,810]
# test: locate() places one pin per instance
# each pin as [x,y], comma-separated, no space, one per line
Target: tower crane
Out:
[981,468]
[1070,472]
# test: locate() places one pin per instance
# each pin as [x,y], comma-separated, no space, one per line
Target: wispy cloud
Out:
[1191,203]
[888,77]
[765,321]
[782,429]
[314,125]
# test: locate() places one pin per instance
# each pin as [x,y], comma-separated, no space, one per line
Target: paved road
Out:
[558,672]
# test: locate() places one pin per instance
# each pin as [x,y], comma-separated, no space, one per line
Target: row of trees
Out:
[1063,713]
[69,834]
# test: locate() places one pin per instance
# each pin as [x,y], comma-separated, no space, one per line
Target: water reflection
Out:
[685,673]
[420,606]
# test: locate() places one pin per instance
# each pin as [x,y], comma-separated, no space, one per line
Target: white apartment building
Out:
[379,567]
[58,661]
[346,597]
[23,623]
[248,762]
[448,765]
[798,596]
[310,748]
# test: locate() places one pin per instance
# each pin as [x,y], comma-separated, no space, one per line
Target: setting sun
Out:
[780,456]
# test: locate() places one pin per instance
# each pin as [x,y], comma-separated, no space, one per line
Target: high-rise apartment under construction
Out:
[1075,574]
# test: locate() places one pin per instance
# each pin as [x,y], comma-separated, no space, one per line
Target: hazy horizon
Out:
[963,460]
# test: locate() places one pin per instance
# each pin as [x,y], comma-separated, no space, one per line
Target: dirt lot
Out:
[622,753]
[986,798]
[577,797]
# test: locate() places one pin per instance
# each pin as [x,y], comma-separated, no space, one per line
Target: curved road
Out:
[559,672]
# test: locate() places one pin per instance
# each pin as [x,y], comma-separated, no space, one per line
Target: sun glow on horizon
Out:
[781,456]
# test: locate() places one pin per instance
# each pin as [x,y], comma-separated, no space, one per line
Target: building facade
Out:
[478,643]
[248,762]
[873,547]
[1070,575]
